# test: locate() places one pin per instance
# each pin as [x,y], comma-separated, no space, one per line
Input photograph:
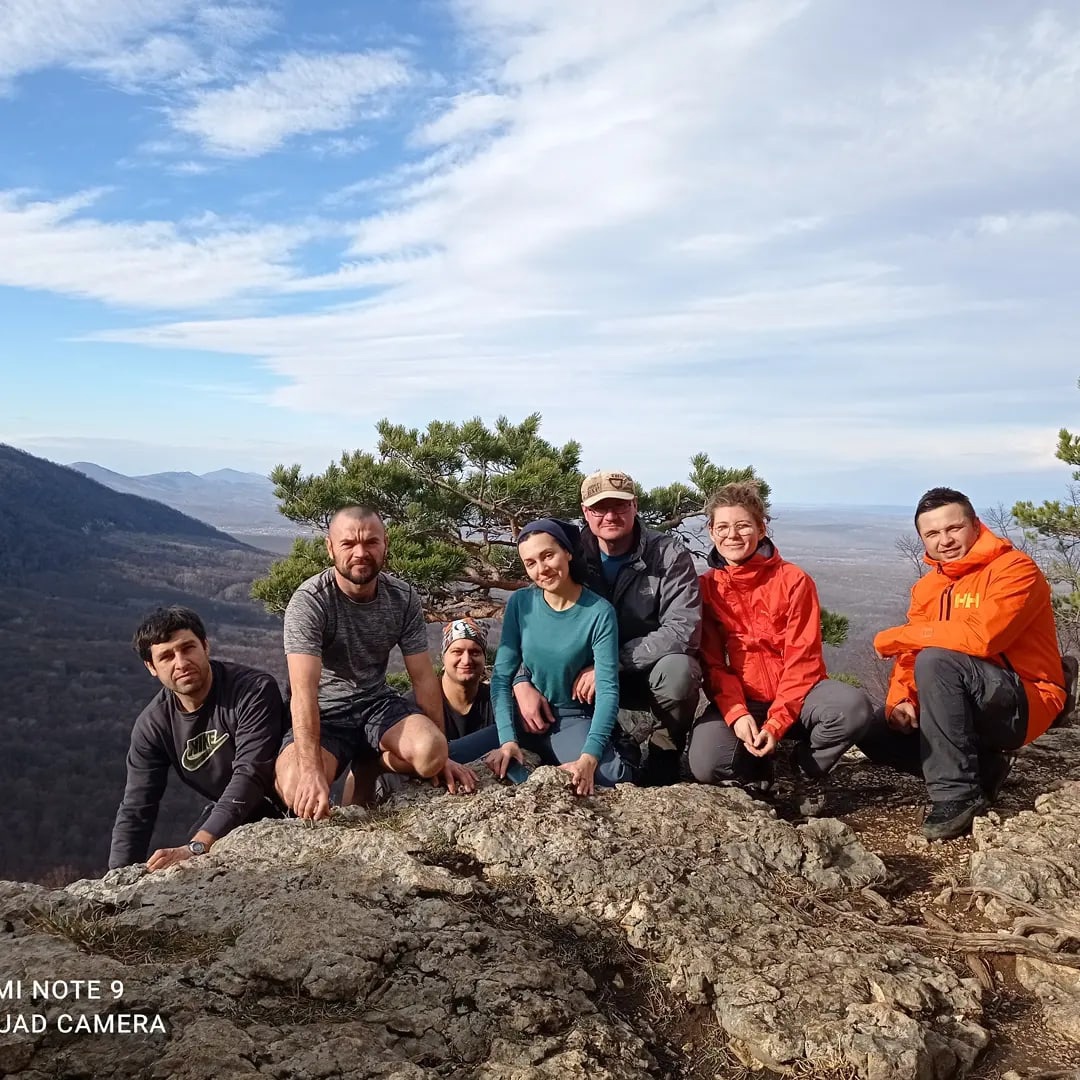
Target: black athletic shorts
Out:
[357,731]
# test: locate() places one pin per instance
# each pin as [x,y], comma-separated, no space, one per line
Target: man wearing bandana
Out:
[467,711]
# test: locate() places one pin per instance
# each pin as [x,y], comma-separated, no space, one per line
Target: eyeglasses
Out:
[621,510]
[742,528]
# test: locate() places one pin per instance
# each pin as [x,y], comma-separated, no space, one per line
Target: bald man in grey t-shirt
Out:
[340,626]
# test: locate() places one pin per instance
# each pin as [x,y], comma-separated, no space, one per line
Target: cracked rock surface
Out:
[1034,857]
[519,933]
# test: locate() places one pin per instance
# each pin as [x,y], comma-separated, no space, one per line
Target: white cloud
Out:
[469,114]
[157,58]
[190,168]
[756,227]
[128,43]
[302,95]
[1040,221]
[154,264]
[63,31]
[341,146]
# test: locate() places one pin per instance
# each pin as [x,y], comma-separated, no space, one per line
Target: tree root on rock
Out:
[940,935]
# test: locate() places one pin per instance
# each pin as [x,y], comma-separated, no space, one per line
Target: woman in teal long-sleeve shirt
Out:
[555,631]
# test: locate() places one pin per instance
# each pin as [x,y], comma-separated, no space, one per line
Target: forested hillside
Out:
[79,564]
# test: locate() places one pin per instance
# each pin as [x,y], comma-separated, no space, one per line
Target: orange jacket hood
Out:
[994,604]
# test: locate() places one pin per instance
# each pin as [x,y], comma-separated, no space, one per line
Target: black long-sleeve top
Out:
[225,751]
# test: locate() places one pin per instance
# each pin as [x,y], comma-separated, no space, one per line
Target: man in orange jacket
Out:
[978,671]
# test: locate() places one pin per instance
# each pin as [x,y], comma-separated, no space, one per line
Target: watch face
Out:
[197,847]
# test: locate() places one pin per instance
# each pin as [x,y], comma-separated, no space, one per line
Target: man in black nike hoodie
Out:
[219,725]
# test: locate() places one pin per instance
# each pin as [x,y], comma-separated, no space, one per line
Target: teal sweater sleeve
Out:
[507,663]
[605,647]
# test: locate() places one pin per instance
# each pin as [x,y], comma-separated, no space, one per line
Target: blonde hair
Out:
[746,495]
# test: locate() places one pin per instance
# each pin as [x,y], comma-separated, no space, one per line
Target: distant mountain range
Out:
[233,501]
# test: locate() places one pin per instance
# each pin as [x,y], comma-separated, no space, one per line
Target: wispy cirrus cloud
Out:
[128,44]
[1036,221]
[469,113]
[301,95]
[152,265]
[666,194]
[758,219]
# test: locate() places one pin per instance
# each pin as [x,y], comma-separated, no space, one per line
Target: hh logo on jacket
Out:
[967,600]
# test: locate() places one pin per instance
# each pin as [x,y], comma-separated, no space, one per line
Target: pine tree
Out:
[1055,529]
[454,498]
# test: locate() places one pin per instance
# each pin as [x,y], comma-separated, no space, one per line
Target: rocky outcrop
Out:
[1027,868]
[519,933]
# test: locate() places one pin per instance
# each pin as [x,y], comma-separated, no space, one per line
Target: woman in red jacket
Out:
[762,657]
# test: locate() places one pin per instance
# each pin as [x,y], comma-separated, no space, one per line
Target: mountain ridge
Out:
[229,499]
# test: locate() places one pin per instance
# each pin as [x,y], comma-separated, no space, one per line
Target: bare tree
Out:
[910,546]
[1000,519]
[876,673]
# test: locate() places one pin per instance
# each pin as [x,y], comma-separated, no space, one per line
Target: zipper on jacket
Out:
[945,608]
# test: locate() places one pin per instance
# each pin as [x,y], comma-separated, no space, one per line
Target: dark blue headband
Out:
[565,532]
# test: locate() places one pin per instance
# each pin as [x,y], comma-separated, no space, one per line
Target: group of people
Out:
[616,618]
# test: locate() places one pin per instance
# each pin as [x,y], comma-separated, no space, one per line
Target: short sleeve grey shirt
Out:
[352,639]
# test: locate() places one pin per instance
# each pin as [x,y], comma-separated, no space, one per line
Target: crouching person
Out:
[340,626]
[557,629]
[763,664]
[978,671]
[468,714]
[650,580]
[215,724]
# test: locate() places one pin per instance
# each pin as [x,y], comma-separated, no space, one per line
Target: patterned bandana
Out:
[464,628]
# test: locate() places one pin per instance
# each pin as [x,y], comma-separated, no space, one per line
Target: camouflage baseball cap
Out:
[607,485]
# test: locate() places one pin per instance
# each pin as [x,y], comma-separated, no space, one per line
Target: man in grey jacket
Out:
[651,581]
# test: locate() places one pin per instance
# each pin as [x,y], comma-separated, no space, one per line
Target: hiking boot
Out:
[811,794]
[994,770]
[387,784]
[948,820]
[759,781]
[661,768]
[759,790]
[663,761]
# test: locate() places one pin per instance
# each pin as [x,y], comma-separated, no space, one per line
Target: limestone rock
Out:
[520,933]
[1034,857]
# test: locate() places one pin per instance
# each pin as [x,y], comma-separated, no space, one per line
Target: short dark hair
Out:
[938,497]
[160,625]
[355,512]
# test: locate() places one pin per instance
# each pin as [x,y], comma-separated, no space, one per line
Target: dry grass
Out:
[99,934]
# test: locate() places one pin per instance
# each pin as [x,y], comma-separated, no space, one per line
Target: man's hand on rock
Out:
[311,800]
[498,761]
[457,778]
[904,717]
[165,857]
[585,686]
[582,773]
[535,711]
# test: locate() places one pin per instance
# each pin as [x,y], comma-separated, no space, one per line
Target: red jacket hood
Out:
[987,547]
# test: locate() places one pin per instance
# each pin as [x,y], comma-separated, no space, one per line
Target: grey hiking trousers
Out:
[834,717]
[970,710]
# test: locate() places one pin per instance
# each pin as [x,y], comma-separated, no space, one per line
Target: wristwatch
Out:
[197,847]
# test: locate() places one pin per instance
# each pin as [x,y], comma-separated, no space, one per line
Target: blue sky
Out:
[837,240]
